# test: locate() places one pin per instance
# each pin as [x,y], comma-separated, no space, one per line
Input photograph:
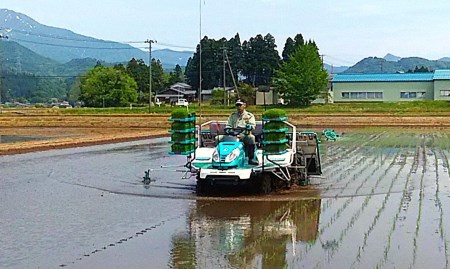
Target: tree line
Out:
[297,75]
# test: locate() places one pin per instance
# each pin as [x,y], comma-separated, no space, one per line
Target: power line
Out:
[90,40]
[338,59]
[77,47]
[175,46]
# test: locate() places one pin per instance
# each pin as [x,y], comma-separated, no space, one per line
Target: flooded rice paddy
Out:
[383,202]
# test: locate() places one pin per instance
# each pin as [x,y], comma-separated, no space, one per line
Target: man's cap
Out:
[240,101]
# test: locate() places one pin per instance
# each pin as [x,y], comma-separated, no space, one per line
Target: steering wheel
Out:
[233,131]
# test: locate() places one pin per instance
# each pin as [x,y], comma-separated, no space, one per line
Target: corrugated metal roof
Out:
[441,74]
[383,77]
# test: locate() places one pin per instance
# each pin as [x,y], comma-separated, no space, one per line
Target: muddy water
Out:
[20,138]
[383,201]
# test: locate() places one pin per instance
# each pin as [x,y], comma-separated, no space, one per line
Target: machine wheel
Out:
[202,187]
[264,183]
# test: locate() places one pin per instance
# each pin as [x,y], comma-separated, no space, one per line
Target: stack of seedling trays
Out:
[183,132]
[274,137]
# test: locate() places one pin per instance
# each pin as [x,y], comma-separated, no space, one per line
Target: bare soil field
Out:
[62,131]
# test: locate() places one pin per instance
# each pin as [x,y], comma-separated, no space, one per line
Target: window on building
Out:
[374,95]
[411,95]
[362,95]
[445,93]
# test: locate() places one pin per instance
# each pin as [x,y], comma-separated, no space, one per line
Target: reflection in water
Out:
[240,234]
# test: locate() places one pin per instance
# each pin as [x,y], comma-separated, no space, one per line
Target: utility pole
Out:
[200,64]
[1,73]
[150,42]
[321,59]
[224,80]
[232,77]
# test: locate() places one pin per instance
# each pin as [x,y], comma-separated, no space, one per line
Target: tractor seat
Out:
[258,134]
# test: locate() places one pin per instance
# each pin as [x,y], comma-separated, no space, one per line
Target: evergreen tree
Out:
[139,71]
[191,72]
[260,60]
[289,48]
[212,64]
[301,79]
[235,56]
[157,76]
[174,76]
[291,45]
[299,41]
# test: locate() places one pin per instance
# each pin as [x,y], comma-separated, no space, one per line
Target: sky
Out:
[345,31]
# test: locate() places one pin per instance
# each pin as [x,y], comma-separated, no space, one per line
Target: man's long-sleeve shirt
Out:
[240,120]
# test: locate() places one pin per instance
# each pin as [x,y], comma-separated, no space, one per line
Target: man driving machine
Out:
[245,120]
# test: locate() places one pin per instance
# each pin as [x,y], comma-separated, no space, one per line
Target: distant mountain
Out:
[63,45]
[380,65]
[335,69]
[392,58]
[171,58]
[445,59]
[23,60]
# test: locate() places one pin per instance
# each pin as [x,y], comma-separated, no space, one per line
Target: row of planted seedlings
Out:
[359,213]
[403,210]
[353,216]
[183,132]
[339,212]
[394,171]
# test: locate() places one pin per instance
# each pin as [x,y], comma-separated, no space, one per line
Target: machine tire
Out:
[264,183]
[202,187]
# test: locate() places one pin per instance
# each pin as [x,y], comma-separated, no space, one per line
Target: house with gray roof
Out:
[177,91]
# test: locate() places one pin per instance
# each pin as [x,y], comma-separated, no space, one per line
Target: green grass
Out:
[414,107]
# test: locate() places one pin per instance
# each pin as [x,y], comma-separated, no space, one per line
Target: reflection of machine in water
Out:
[239,234]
